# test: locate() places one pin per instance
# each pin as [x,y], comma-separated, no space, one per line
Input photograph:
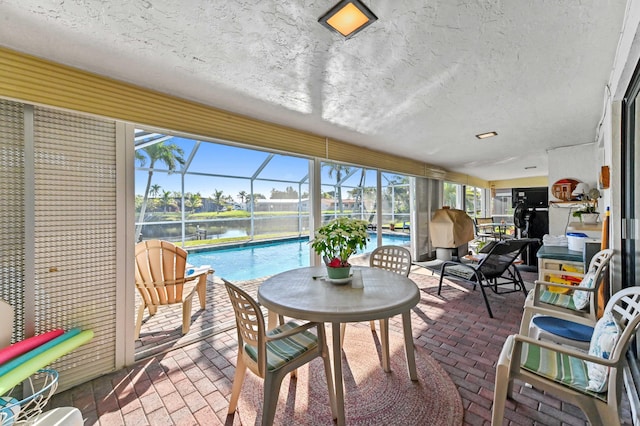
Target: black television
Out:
[537,197]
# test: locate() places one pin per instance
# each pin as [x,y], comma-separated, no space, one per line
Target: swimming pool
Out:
[251,262]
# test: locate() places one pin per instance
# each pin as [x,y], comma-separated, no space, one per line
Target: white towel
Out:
[555,240]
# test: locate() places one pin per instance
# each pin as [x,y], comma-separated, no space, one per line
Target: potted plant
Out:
[336,241]
[587,212]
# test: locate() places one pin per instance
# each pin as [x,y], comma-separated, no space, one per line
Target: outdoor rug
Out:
[372,397]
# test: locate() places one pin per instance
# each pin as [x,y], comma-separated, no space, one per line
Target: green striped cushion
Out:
[558,299]
[279,352]
[560,368]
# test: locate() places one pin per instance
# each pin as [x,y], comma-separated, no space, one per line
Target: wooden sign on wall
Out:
[604,177]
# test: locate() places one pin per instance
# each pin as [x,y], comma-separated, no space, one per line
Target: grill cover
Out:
[450,228]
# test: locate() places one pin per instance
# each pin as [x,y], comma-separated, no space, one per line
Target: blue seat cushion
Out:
[564,328]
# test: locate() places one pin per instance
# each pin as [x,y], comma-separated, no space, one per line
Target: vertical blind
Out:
[75,236]
[12,243]
[72,231]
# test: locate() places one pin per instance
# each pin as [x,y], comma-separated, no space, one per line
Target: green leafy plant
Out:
[339,239]
[588,203]
[587,207]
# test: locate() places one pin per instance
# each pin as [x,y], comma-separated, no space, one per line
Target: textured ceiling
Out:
[420,82]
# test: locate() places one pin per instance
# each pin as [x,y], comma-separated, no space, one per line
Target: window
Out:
[473,201]
[452,195]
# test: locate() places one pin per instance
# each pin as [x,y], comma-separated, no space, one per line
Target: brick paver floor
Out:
[187,380]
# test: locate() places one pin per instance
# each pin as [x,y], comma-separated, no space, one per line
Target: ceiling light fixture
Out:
[487,135]
[348,18]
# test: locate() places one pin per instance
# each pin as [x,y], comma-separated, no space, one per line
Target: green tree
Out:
[450,195]
[154,191]
[138,202]
[473,197]
[338,170]
[243,196]
[167,201]
[170,155]
[217,199]
[289,193]
[177,199]
[251,198]
[193,201]
[398,187]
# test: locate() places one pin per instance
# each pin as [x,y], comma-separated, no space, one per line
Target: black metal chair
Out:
[495,268]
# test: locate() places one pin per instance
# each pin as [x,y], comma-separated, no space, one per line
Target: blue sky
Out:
[212,158]
[226,160]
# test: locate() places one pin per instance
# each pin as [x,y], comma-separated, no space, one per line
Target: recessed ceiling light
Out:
[348,17]
[486,135]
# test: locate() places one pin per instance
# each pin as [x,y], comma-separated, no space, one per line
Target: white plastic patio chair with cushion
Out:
[161,279]
[390,258]
[566,318]
[592,381]
[271,355]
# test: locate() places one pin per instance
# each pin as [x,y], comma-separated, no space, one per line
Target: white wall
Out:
[575,162]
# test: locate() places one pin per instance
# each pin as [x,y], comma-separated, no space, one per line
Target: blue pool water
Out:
[250,262]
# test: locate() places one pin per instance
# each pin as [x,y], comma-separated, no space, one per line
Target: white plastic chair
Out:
[391,258]
[553,311]
[600,408]
[271,355]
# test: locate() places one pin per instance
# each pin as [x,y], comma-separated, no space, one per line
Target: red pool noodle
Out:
[24,346]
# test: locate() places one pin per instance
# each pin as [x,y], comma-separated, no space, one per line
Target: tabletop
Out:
[304,294]
[374,293]
[560,253]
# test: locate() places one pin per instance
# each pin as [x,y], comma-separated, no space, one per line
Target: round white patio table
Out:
[305,294]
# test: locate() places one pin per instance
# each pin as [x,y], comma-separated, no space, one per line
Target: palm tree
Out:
[243,196]
[170,155]
[251,199]
[194,201]
[338,170]
[450,195]
[217,199]
[167,200]
[154,191]
[153,203]
[398,187]
[177,199]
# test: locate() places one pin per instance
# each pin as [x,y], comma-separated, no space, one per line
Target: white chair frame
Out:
[391,258]
[251,329]
[625,306]
[534,306]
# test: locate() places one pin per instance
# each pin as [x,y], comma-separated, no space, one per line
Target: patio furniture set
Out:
[558,329]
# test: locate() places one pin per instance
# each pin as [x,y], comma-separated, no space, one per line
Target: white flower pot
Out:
[589,218]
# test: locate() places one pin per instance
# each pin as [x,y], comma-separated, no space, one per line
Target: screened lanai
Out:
[209,192]
[247,214]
